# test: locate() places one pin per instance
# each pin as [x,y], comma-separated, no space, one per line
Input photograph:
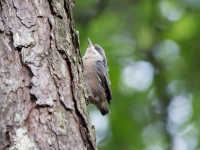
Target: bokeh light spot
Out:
[101,124]
[138,75]
[166,51]
[180,109]
[171,11]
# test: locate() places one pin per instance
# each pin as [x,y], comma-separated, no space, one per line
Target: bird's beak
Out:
[89,43]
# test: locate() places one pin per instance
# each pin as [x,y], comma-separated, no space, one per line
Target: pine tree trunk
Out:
[42,93]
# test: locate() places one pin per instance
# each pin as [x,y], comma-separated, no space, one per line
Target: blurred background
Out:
[153,53]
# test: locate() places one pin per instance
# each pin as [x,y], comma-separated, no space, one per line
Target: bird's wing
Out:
[102,72]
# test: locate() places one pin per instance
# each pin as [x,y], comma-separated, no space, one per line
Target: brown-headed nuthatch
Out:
[96,76]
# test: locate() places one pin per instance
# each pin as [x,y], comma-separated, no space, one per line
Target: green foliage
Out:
[153,55]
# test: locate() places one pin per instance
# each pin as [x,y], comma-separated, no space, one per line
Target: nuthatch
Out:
[96,77]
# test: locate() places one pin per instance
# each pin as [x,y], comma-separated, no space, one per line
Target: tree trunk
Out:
[42,93]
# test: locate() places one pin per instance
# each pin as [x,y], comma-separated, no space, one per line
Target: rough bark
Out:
[42,93]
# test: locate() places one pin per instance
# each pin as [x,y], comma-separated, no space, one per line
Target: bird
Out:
[95,73]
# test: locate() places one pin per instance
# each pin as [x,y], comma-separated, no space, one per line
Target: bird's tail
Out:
[104,110]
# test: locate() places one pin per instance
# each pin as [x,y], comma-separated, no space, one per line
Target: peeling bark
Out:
[42,93]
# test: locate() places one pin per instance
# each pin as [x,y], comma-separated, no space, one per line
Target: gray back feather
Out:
[101,52]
